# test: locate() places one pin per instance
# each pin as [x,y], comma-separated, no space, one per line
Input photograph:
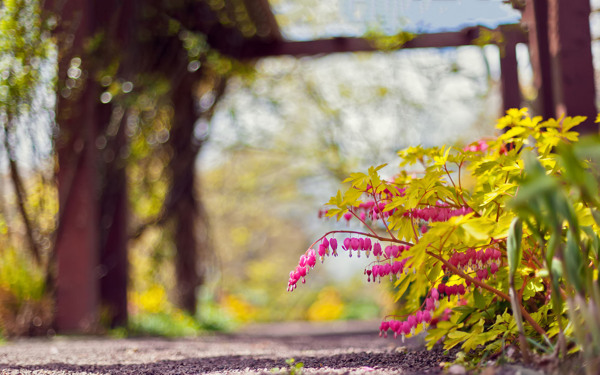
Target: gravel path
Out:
[340,348]
[334,348]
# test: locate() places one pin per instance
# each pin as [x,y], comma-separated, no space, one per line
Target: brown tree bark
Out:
[91,238]
[184,202]
[114,202]
[186,212]
[76,244]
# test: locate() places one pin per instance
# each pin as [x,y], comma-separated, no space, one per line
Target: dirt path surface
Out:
[334,348]
[339,348]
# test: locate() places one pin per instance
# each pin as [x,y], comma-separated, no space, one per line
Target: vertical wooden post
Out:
[511,90]
[571,60]
[535,18]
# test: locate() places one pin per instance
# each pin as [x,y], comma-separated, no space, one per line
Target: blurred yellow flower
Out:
[328,306]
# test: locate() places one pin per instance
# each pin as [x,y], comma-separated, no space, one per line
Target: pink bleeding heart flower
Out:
[493,268]
[426,316]
[419,316]
[333,244]
[406,327]
[395,327]
[429,304]
[388,251]
[347,243]
[387,269]
[377,249]
[301,271]
[312,259]
[322,250]
[303,259]
[383,328]
[442,288]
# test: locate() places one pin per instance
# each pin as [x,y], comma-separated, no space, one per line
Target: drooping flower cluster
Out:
[307,261]
[396,267]
[369,211]
[358,245]
[349,244]
[437,213]
[409,325]
[382,270]
[330,247]
[373,209]
[451,290]
[478,261]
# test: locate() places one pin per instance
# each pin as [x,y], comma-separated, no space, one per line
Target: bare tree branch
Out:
[20,194]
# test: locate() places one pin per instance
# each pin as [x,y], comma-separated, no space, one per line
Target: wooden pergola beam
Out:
[467,36]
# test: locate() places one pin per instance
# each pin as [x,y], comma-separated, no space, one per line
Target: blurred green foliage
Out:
[558,202]
[27,194]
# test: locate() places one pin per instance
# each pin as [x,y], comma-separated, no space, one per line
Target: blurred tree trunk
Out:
[184,202]
[113,234]
[185,210]
[76,241]
[91,237]
[114,202]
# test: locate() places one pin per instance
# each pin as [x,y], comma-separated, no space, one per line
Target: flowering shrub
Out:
[440,234]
